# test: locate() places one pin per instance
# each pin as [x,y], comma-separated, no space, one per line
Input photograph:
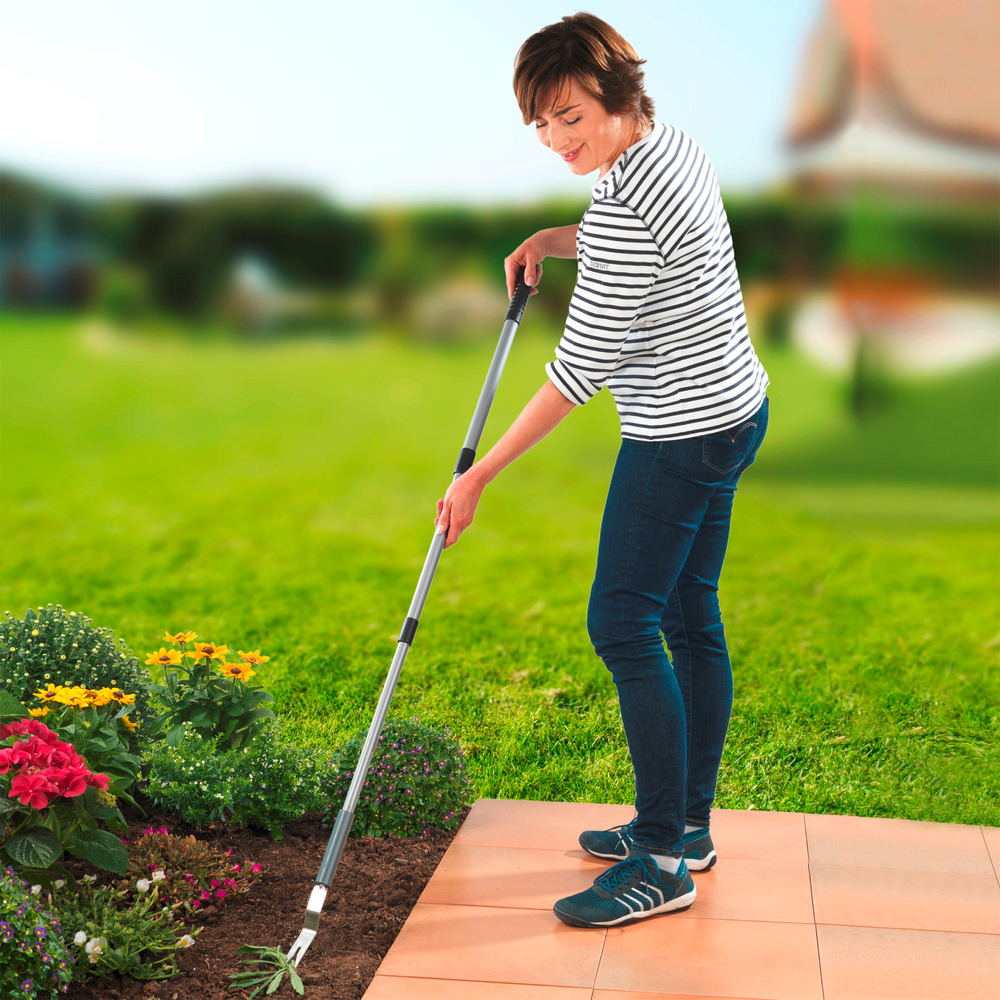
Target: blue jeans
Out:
[663,541]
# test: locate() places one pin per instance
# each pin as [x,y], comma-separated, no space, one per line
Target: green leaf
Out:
[100,848]
[275,982]
[37,847]
[175,736]
[10,707]
[7,806]
[261,713]
[296,980]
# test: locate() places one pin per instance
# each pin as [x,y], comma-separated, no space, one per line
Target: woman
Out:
[657,316]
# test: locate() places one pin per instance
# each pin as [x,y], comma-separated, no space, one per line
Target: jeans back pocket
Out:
[725,451]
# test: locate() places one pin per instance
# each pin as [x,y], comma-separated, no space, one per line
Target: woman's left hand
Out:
[456,511]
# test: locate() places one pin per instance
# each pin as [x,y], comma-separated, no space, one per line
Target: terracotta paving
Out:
[798,907]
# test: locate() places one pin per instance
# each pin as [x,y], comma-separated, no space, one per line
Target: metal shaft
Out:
[342,827]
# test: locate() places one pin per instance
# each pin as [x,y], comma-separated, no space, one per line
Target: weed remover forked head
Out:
[313,909]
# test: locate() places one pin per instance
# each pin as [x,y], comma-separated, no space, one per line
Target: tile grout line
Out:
[812,900]
[989,854]
[597,971]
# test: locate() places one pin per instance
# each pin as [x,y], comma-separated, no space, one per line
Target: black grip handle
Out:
[519,299]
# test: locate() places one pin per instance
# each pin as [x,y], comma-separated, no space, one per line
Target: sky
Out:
[367,102]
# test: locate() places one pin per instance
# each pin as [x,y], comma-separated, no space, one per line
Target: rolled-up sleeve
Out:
[617,263]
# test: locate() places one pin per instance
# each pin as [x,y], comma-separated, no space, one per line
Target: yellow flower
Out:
[253,657]
[100,697]
[38,713]
[129,724]
[206,650]
[181,637]
[77,697]
[164,658]
[121,697]
[51,693]
[240,671]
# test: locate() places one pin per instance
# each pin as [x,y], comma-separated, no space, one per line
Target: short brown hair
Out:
[589,50]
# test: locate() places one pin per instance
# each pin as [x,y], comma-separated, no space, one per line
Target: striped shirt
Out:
[657,312]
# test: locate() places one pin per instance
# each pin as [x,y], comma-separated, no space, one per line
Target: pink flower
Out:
[255,869]
[99,781]
[221,894]
[237,868]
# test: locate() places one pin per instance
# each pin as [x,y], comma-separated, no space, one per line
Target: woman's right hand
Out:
[528,255]
[557,242]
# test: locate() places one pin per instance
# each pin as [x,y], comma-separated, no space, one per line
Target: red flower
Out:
[31,789]
[68,782]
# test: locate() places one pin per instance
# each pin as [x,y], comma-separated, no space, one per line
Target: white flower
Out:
[159,876]
[59,883]
[89,878]
[143,885]
[94,948]
[81,937]
[186,941]
[35,890]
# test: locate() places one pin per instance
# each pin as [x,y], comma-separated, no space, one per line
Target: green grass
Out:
[282,497]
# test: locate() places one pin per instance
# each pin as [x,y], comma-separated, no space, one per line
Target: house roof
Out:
[932,65]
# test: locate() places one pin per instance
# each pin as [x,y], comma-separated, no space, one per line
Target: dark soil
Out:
[376,885]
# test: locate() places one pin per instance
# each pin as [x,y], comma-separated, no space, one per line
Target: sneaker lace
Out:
[622,874]
[625,827]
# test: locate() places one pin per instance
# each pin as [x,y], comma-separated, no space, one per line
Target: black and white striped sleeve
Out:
[617,262]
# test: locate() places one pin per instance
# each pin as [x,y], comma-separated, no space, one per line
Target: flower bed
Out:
[376,886]
[155,833]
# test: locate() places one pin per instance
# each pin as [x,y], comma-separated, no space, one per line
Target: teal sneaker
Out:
[616,843]
[628,891]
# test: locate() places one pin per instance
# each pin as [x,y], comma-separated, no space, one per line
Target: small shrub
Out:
[34,959]
[120,931]
[190,780]
[186,871]
[264,785]
[275,780]
[417,780]
[52,645]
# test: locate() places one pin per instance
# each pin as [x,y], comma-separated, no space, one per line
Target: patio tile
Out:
[408,988]
[554,826]
[505,876]
[754,890]
[493,944]
[897,843]
[749,835]
[735,958]
[872,963]
[906,898]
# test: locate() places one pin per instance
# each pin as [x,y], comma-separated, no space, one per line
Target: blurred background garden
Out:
[234,382]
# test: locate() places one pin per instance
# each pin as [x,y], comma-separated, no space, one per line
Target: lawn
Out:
[281,497]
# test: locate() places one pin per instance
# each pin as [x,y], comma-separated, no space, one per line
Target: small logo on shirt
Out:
[594,264]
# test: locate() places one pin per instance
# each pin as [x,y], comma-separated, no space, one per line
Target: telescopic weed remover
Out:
[342,827]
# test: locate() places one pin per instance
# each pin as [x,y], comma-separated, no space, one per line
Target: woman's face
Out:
[578,129]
